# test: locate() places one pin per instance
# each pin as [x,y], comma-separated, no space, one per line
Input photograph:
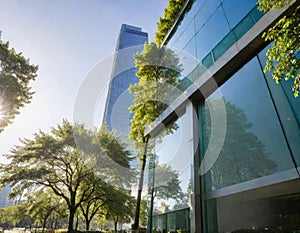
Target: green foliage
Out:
[109,201]
[15,215]
[266,5]
[44,206]
[15,75]
[169,178]
[158,71]
[283,57]
[119,207]
[143,213]
[165,23]
[66,161]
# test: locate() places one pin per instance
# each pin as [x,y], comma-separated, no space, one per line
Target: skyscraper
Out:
[116,115]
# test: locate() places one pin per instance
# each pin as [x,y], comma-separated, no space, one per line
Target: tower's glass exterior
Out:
[117,116]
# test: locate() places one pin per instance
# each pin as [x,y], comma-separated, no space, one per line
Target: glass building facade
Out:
[116,115]
[236,150]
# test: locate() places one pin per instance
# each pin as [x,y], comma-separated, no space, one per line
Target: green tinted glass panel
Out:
[288,108]
[248,150]
[256,14]
[224,45]
[208,60]
[243,26]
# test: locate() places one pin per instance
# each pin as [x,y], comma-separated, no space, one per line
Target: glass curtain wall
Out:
[254,184]
[210,28]
[170,183]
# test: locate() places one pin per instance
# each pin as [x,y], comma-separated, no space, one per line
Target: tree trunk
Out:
[56,223]
[71,219]
[135,225]
[116,225]
[87,224]
[77,222]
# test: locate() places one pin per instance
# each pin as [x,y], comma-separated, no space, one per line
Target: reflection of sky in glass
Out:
[175,150]
[207,23]
[240,9]
[211,33]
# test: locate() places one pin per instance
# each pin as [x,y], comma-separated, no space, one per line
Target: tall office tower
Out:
[4,201]
[116,115]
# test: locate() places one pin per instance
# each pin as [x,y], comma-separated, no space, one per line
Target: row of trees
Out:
[74,166]
[73,172]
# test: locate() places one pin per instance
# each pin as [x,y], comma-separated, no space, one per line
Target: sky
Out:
[66,39]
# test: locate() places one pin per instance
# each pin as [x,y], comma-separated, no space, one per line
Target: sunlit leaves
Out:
[67,160]
[283,57]
[158,71]
[15,75]
[166,22]
[266,5]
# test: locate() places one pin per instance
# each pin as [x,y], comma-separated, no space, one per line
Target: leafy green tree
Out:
[59,217]
[168,183]
[171,14]
[15,75]
[16,216]
[143,213]
[42,205]
[283,57]
[60,161]
[184,201]
[158,71]
[120,207]
[101,220]
[98,197]
[99,190]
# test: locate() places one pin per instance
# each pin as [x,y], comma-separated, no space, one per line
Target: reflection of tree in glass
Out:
[167,183]
[243,156]
[185,200]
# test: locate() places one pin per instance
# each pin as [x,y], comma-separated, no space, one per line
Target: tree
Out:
[283,57]
[168,180]
[243,156]
[42,205]
[15,75]
[98,197]
[16,216]
[62,160]
[171,14]
[100,192]
[119,207]
[158,71]
[143,213]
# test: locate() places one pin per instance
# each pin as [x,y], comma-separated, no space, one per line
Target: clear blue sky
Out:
[66,38]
